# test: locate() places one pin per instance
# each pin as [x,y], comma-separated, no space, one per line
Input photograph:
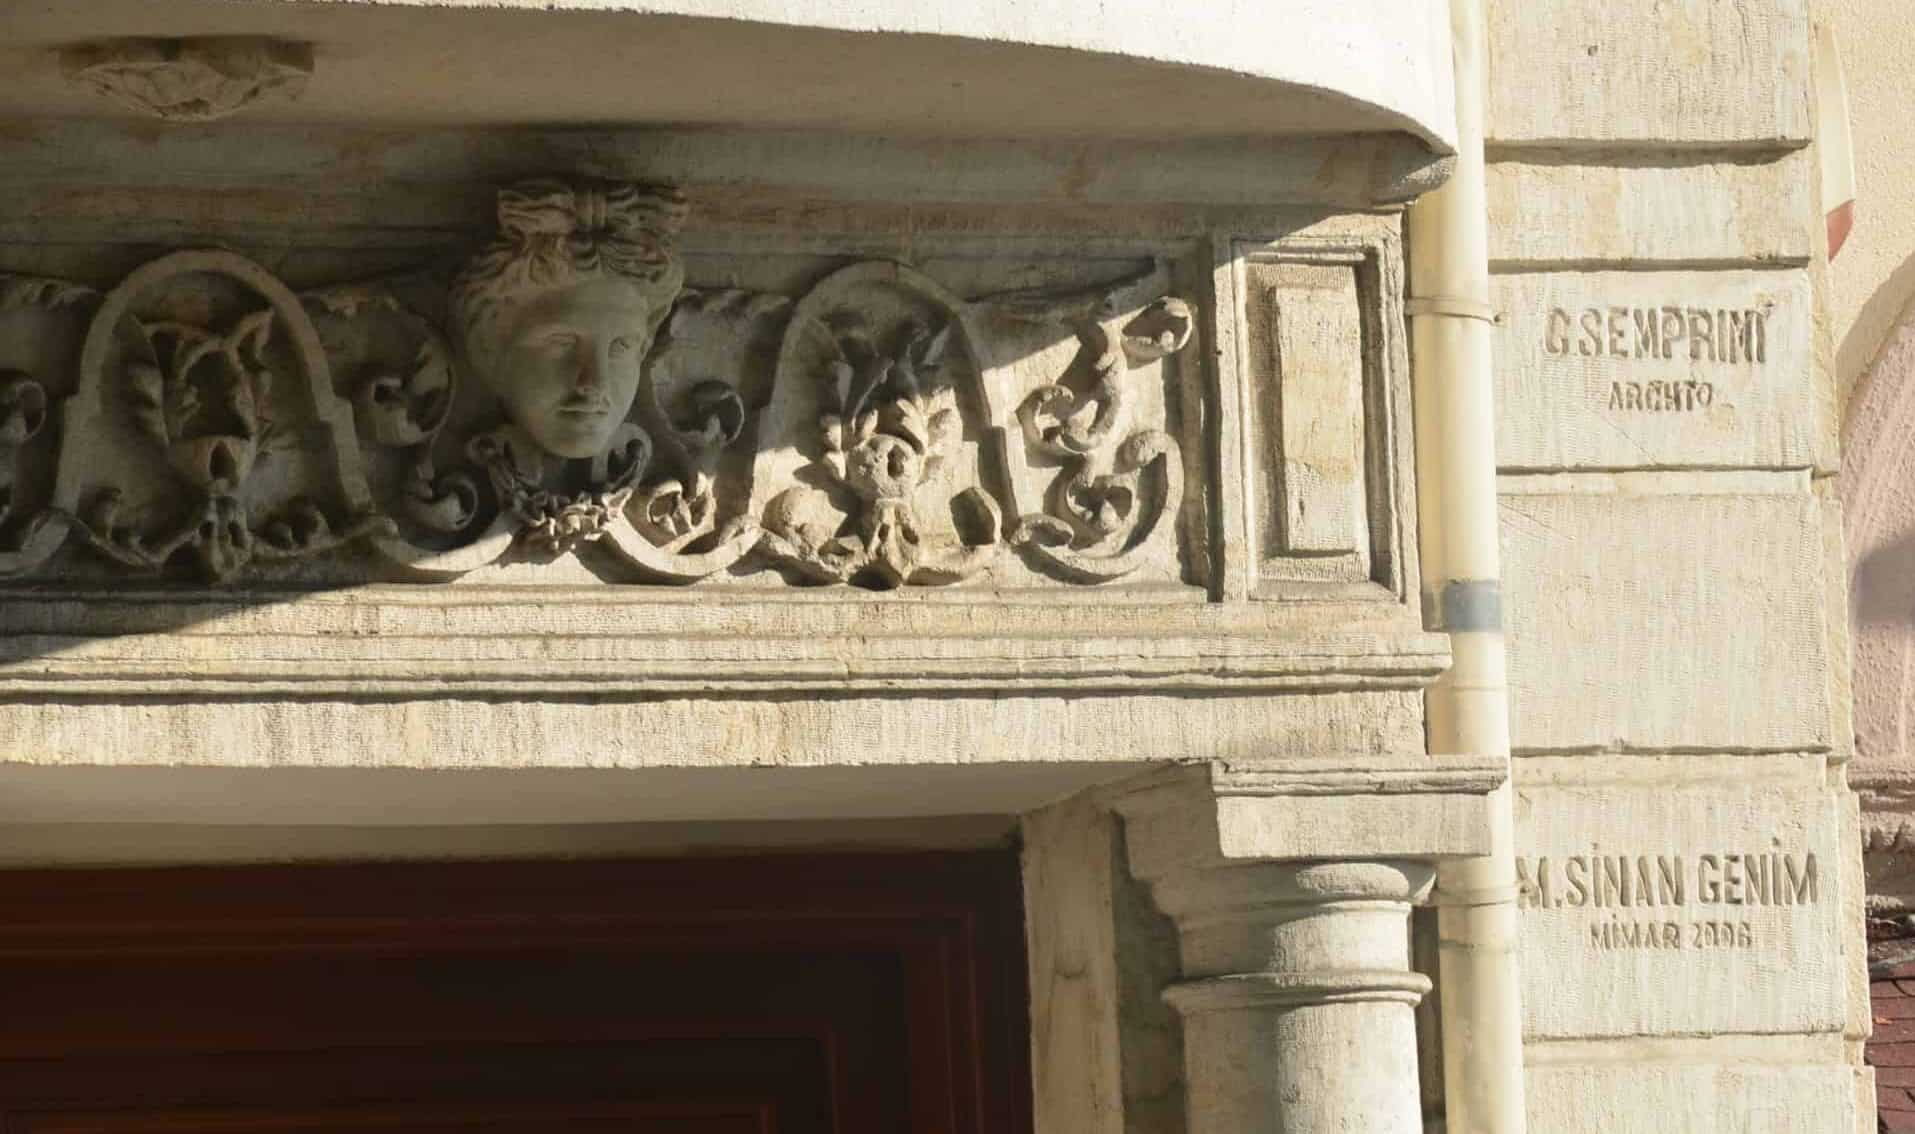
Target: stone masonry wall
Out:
[1692,925]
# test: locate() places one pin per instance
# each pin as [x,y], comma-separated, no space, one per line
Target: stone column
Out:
[1299,1003]
[1296,990]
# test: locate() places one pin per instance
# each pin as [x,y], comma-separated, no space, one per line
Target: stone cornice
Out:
[436,642]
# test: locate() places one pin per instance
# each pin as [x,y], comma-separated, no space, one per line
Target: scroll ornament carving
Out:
[29,530]
[1102,518]
[565,394]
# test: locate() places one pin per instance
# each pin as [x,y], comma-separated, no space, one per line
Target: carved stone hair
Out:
[553,233]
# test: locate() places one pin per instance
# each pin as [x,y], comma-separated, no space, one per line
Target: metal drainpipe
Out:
[1468,708]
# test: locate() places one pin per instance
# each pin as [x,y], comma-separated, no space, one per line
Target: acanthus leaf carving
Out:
[23,414]
[206,360]
[399,373]
[877,362]
[889,430]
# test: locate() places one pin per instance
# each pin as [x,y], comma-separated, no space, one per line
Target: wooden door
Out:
[787,994]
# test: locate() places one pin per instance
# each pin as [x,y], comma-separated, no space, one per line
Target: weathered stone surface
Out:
[1297,996]
[1693,72]
[1305,321]
[1070,874]
[1558,212]
[1665,622]
[1701,910]
[1759,1097]
[809,731]
[1618,370]
[87,175]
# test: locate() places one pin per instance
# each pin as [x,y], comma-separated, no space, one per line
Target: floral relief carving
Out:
[206,361]
[563,393]
[880,351]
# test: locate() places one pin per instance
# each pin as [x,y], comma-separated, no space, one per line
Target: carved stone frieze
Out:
[563,393]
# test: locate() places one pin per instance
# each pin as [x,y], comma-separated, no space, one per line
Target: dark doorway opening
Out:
[871,994]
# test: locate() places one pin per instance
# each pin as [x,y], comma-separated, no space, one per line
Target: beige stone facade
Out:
[511,430]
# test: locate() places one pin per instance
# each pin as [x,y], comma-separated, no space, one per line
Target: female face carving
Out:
[569,361]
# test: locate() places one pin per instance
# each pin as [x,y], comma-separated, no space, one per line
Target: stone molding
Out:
[1887,797]
[444,180]
[439,643]
[1242,991]
[1189,820]
[1879,523]
[225,485]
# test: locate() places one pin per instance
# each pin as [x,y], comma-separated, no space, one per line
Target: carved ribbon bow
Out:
[628,226]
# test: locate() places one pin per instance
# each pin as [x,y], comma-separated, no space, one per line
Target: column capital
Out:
[1208,815]
[1297,993]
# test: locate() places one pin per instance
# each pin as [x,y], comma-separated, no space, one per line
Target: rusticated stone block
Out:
[1683,369]
[1706,910]
[1692,72]
[1665,623]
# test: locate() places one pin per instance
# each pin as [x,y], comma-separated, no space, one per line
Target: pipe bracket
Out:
[1453,307]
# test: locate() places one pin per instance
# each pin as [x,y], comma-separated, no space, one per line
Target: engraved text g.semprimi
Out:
[1700,336]
[1719,335]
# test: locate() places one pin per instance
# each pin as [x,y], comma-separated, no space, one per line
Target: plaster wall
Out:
[1063,68]
[1873,280]
[1872,286]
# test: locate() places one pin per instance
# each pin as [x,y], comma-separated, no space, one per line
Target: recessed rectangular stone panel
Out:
[1658,369]
[1694,1098]
[1308,406]
[1693,911]
[1687,72]
[1665,623]
[1609,212]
